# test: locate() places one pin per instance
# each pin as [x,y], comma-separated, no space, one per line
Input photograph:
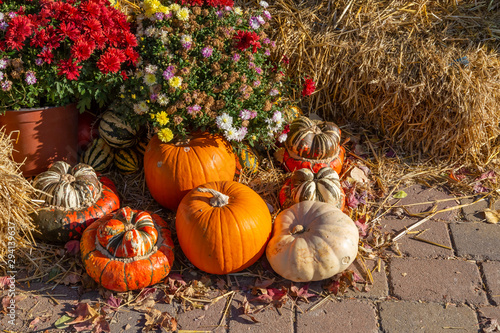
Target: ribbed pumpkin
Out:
[173,169]
[127,250]
[336,163]
[312,139]
[324,186]
[312,241]
[74,198]
[117,132]
[99,155]
[127,161]
[223,227]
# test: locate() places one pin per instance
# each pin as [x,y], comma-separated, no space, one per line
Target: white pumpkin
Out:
[312,241]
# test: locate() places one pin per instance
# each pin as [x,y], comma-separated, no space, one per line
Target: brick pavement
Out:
[428,289]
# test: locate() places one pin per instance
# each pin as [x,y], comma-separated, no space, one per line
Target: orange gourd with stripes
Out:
[128,250]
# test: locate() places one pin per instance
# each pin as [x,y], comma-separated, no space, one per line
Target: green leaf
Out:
[62,322]
[400,195]
[53,273]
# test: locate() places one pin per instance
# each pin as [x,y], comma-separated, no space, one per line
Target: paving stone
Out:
[378,289]
[339,316]
[127,320]
[203,320]
[420,193]
[474,213]
[435,231]
[492,312]
[491,272]
[436,280]
[411,317]
[270,320]
[477,241]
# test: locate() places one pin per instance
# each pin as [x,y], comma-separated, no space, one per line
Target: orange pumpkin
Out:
[127,250]
[223,227]
[293,162]
[173,169]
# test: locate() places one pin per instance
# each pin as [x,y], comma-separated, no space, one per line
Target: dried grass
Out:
[392,66]
[16,226]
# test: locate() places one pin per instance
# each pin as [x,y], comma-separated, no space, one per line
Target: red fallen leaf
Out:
[175,281]
[362,226]
[114,302]
[333,287]
[5,303]
[101,325]
[34,322]
[261,286]
[478,188]
[71,278]
[456,177]
[352,201]
[72,247]
[4,281]
[488,175]
[87,325]
[145,293]
[247,311]
[301,293]
[273,295]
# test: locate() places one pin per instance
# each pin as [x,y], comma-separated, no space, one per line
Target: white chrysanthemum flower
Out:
[186,39]
[162,99]
[282,137]
[264,4]
[231,134]
[175,7]
[150,31]
[277,116]
[149,79]
[224,121]
[151,69]
[141,108]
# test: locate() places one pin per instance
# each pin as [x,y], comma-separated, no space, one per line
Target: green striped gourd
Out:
[116,131]
[126,161]
[324,186]
[312,139]
[99,155]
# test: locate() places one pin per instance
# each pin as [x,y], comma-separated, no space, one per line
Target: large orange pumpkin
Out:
[173,169]
[127,250]
[223,227]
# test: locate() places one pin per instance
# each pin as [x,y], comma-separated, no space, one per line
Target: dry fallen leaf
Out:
[359,175]
[492,216]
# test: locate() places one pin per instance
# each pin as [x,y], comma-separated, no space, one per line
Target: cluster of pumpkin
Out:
[222,226]
[117,144]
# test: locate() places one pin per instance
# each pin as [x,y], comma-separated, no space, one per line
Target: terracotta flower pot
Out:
[42,136]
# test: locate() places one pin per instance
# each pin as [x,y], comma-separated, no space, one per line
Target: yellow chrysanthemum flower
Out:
[238,10]
[182,14]
[175,7]
[133,96]
[165,135]
[162,118]
[175,81]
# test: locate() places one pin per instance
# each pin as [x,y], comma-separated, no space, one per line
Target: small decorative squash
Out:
[312,241]
[127,250]
[324,186]
[99,155]
[223,227]
[247,160]
[74,198]
[173,169]
[312,139]
[141,146]
[292,112]
[126,161]
[116,131]
[295,163]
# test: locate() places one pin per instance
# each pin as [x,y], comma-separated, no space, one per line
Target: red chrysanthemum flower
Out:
[46,55]
[132,55]
[82,49]
[68,29]
[309,87]
[110,61]
[247,39]
[69,68]
[124,75]
[20,27]
[130,39]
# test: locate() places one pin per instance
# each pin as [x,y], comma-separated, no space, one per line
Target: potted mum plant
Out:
[206,66]
[56,57]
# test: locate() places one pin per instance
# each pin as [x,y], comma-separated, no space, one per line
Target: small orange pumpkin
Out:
[223,227]
[173,169]
[127,250]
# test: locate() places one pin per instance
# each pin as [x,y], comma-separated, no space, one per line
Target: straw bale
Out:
[16,226]
[425,74]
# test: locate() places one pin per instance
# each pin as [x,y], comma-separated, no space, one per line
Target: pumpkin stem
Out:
[218,199]
[298,229]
